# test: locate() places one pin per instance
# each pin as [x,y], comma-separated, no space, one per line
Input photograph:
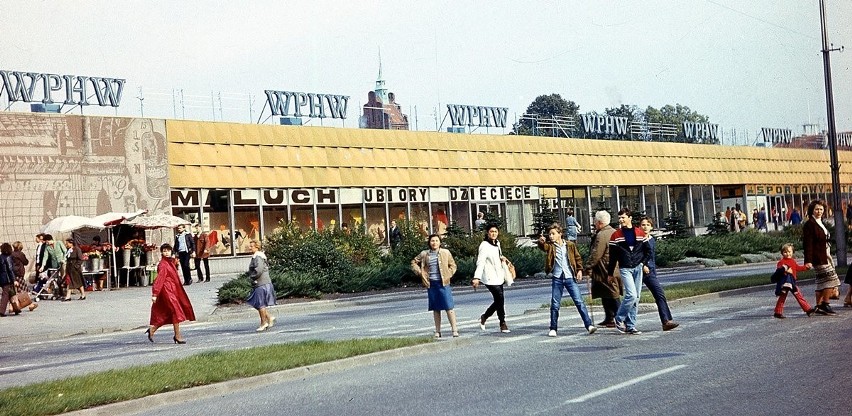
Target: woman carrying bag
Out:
[491,273]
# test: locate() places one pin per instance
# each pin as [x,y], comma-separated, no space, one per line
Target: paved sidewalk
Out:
[128,308]
[121,309]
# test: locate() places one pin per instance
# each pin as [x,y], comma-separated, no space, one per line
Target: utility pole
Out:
[839,225]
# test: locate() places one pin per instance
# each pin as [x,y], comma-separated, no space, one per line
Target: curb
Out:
[242,384]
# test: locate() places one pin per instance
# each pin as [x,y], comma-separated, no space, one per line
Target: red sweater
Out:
[792,265]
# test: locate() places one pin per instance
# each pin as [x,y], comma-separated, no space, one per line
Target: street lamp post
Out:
[839,225]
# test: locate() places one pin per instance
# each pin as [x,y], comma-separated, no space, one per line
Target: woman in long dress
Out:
[74,269]
[815,243]
[170,304]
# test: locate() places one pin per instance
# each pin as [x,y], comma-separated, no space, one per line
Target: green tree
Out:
[546,107]
[719,226]
[675,225]
[633,114]
[677,114]
[543,218]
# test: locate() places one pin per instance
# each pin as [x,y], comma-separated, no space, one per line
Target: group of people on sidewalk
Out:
[57,271]
[620,261]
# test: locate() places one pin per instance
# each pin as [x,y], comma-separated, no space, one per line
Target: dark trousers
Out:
[198,261]
[183,256]
[610,307]
[497,305]
[650,280]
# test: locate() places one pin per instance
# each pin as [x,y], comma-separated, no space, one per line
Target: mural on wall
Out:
[55,165]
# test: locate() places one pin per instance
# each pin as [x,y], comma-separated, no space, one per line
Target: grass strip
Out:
[81,392]
[685,290]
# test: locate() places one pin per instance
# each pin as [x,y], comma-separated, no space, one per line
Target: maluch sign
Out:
[67,89]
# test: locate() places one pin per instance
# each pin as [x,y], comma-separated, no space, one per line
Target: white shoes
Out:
[552,333]
[271,321]
[262,327]
[591,329]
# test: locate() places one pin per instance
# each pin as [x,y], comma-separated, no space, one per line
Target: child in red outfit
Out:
[788,282]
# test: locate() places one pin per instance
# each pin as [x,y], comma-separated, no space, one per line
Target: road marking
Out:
[624,384]
[512,339]
[388,328]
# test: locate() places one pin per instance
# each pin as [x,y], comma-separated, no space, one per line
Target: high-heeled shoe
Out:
[150,335]
[179,341]
[271,321]
[262,327]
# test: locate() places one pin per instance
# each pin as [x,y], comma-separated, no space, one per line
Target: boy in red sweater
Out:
[788,282]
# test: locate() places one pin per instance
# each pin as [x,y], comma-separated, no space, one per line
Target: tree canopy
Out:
[546,107]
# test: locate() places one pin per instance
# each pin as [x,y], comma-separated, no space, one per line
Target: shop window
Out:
[602,199]
[680,198]
[440,218]
[302,217]
[376,224]
[353,216]
[398,211]
[327,218]
[461,215]
[420,218]
[514,217]
[246,228]
[273,219]
[629,198]
[220,222]
[529,209]
[655,205]
[190,214]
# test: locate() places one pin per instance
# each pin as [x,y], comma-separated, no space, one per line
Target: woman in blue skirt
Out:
[436,267]
[263,294]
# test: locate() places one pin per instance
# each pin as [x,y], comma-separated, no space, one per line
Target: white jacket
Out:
[489,269]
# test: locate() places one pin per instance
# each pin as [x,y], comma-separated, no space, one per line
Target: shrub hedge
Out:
[310,263]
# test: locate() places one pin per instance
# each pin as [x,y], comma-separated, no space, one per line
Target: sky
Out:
[746,65]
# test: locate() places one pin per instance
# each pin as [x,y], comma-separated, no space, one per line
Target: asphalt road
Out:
[729,357]
[405,316]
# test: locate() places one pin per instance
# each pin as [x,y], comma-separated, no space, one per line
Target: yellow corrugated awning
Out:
[232,155]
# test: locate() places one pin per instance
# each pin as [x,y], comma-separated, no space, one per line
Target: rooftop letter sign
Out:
[318,105]
[692,130]
[470,115]
[777,136]
[602,124]
[28,86]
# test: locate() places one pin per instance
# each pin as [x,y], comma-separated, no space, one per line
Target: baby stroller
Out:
[48,285]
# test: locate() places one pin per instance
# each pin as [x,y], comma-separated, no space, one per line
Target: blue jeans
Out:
[653,284]
[557,286]
[631,279]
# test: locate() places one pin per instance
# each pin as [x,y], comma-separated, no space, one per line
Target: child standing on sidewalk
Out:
[787,283]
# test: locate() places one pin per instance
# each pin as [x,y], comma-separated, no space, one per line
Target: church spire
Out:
[381,90]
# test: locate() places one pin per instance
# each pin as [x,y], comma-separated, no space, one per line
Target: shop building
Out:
[243,180]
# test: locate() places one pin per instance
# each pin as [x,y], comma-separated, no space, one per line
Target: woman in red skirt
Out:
[170,303]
